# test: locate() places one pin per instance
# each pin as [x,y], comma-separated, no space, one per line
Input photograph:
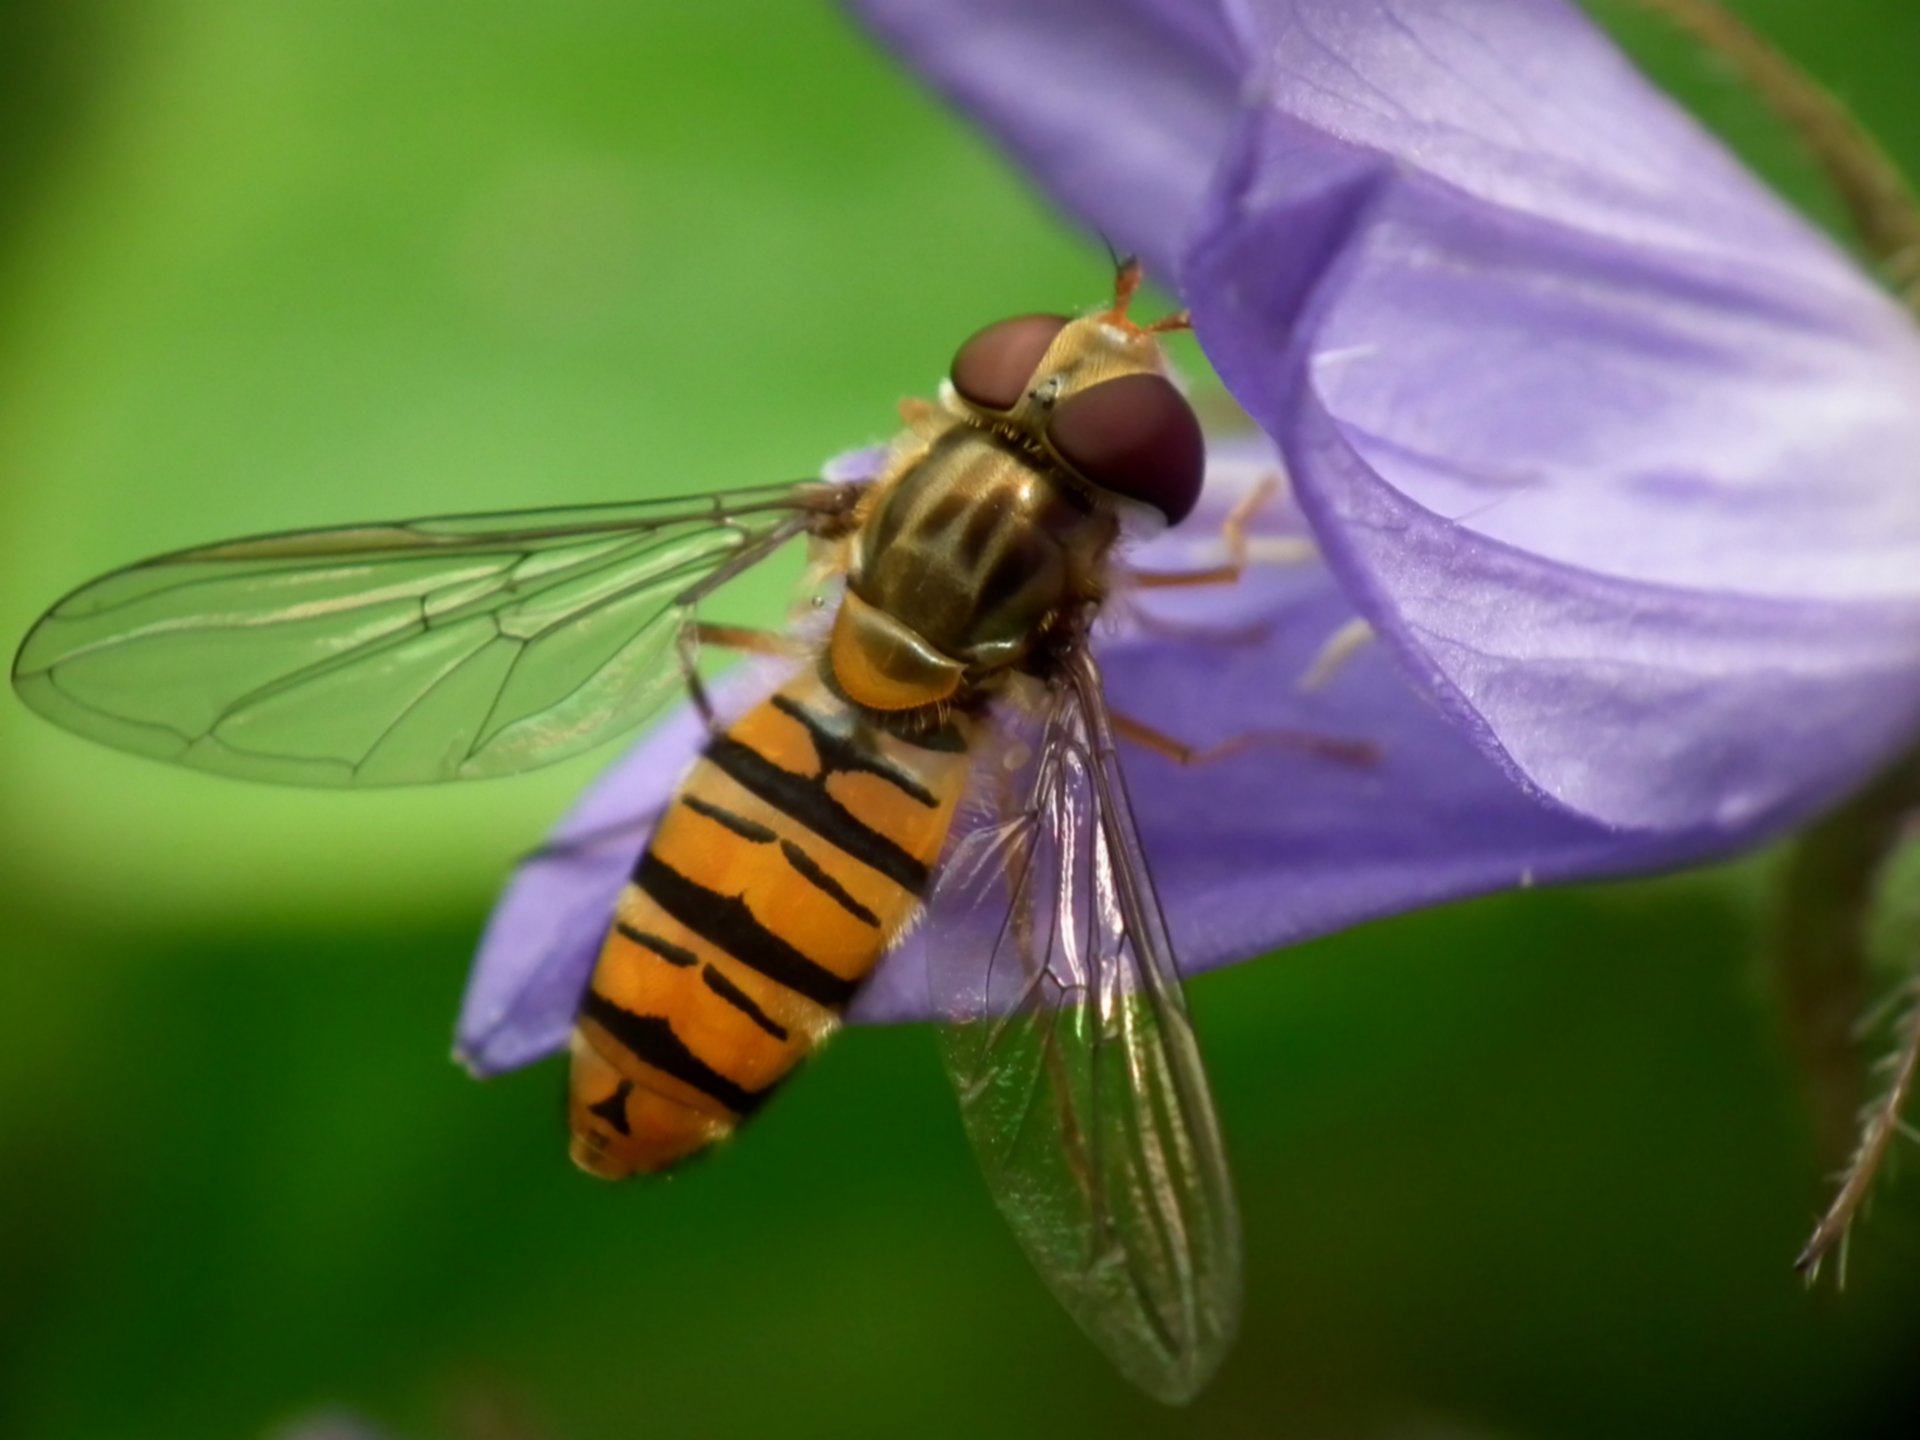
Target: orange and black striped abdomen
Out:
[794,854]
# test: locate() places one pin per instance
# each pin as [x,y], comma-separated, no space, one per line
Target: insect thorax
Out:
[967,561]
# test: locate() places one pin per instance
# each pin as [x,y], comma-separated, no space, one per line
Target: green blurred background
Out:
[1530,1167]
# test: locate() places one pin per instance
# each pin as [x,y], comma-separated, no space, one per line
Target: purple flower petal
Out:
[1614,450]
[1617,456]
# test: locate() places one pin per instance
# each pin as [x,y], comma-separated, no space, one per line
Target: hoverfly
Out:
[814,828]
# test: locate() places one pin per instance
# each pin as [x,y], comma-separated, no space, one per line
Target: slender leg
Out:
[688,602]
[1241,551]
[727,637]
[757,642]
[731,637]
[1325,747]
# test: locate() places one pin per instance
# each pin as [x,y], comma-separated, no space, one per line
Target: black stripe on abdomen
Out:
[741,1001]
[725,922]
[839,752]
[653,1040]
[746,829]
[809,869]
[668,951]
[805,798]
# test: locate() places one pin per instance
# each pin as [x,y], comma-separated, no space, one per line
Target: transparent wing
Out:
[1078,1074]
[426,650]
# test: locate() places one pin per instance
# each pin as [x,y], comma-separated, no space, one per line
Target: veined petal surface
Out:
[1618,453]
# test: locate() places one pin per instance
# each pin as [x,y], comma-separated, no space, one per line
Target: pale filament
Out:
[1335,651]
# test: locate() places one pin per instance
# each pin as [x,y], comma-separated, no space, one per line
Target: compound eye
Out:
[1136,436]
[992,370]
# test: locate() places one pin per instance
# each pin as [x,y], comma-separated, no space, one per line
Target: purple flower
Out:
[1617,457]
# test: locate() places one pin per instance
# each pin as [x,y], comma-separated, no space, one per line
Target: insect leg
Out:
[727,637]
[1325,747]
[688,601]
[759,642]
[1242,550]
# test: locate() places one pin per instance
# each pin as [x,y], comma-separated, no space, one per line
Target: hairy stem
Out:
[1880,1127]
[1822,965]
[1819,942]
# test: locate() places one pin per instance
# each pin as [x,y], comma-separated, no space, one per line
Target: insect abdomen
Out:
[794,854]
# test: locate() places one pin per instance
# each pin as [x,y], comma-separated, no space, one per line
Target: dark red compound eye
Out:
[1136,436]
[993,369]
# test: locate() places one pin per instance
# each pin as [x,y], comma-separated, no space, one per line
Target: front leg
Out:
[1242,550]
